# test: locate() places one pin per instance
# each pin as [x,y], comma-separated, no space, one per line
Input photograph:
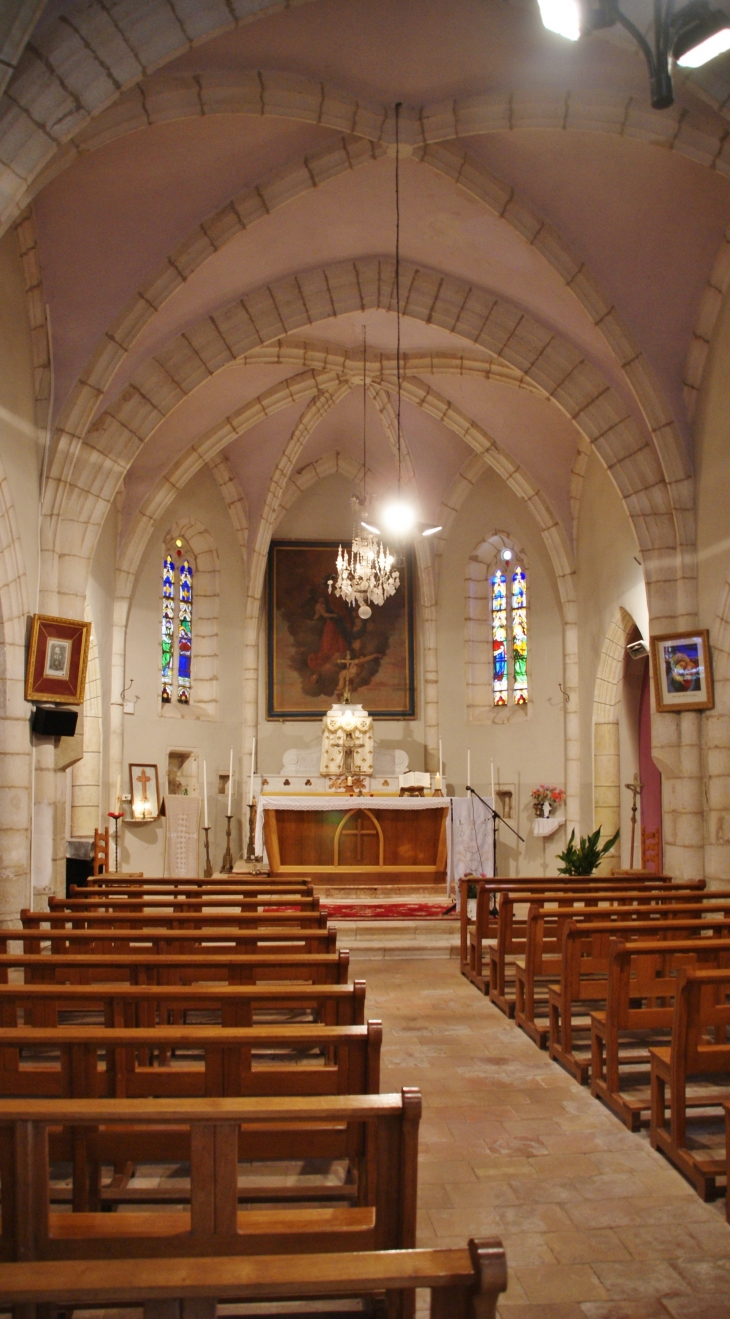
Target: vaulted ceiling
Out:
[215,224]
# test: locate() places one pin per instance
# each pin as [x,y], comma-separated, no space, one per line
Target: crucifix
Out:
[144,778]
[347,663]
[634,788]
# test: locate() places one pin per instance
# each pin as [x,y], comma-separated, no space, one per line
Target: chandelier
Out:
[366,574]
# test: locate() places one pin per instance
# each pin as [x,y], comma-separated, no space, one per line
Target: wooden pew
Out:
[152,1005]
[700,1048]
[142,968]
[475,935]
[172,918]
[376,1134]
[161,941]
[464,1283]
[220,881]
[139,1062]
[543,957]
[194,901]
[641,980]
[511,941]
[583,979]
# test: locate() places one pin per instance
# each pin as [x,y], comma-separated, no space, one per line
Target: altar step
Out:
[397,940]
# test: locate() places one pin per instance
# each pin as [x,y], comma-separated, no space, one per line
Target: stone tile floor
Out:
[596,1224]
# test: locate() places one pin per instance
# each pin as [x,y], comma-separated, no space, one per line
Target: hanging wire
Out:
[398,106]
[364,421]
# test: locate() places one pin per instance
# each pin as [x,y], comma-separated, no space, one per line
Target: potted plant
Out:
[587,856]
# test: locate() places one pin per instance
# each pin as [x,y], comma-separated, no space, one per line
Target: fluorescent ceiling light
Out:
[561,16]
[716,44]
[369,527]
[430,531]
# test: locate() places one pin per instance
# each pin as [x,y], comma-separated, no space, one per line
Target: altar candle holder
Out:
[208,872]
[251,846]
[116,816]
[227,862]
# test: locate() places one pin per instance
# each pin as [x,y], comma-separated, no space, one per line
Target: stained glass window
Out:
[177,629]
[499,638]
[185,633]
[509,638]
[168,626]
[519,637]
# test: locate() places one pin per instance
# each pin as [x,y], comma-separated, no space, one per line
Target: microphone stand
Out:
[495,816]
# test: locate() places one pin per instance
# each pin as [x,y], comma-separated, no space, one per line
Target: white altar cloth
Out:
[471,840]
[333,803]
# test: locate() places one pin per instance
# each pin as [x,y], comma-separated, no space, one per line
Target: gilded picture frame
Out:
[144,789]
[682,671]
[310,631]
[58,654]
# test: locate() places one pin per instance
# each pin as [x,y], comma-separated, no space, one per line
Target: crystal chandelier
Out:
[367,572]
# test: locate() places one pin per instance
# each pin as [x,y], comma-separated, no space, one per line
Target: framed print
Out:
[311,630]
[57,657]
[682,671]
[145,792]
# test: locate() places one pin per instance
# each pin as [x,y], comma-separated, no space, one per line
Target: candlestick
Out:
[205,798]
[253,765]
[441,762]
[227,862]
[207,873]
[230,782]
[251,848]
[468,767]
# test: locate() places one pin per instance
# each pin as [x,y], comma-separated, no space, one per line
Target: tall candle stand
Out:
[227,862]
[116,816]
[251,847]
[208,872]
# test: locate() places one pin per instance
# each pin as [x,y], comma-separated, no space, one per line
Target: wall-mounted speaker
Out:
[54,723]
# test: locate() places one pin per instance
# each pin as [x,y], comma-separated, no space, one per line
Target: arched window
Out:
[177,626]
[496,628]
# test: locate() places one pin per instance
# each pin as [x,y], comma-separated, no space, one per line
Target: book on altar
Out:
[414,779]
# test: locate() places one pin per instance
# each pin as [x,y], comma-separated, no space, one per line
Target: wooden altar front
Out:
[358,844]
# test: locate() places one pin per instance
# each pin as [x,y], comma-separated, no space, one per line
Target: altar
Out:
[355,840]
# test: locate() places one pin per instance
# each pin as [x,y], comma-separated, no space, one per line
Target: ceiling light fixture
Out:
[366,575]
[689,37]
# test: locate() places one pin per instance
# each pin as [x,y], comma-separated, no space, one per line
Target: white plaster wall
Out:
[148,736]
[608,576]
[100,595]
[323,513]
[529,750]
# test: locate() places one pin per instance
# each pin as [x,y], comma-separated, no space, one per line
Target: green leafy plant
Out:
[587,856]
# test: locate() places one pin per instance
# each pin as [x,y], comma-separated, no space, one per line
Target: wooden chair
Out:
[700,1049]
[641,980]
[189,1061]
[101,851]
[464,1283]
[145,968]
[650,849]
[376,1134]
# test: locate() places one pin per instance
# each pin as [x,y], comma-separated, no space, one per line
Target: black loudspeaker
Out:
[54,723]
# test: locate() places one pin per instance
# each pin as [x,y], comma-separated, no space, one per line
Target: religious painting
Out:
[57,657]
[315,639]
[682,671]
[145,792]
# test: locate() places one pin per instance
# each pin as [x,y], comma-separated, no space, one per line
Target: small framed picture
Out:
[57,657]
[145,792]
[682,671]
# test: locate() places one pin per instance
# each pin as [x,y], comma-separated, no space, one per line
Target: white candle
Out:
[492,766]
[205,793]
[230,782]
[468,768]
[253,765]
[441,762]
